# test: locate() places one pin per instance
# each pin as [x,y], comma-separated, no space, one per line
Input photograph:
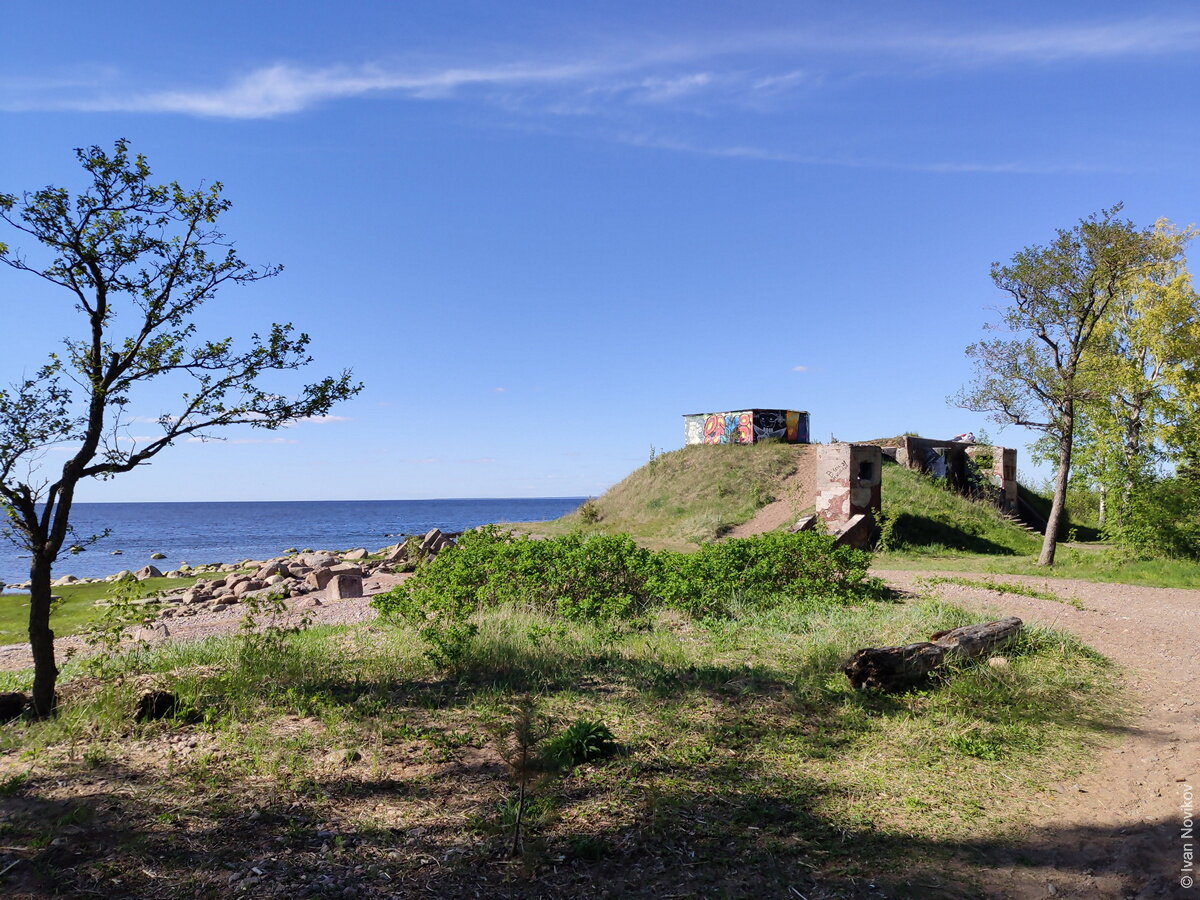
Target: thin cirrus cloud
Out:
[219,440]
[947,167]
[740,68]
[319,420]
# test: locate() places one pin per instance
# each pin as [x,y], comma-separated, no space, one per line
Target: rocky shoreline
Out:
[317,575]
[213,606]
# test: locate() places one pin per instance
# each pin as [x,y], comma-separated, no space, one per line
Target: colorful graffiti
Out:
[729,428]
[746,426]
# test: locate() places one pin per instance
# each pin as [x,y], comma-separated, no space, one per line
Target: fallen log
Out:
[899,668]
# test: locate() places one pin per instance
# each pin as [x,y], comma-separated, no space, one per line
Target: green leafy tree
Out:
[1050,366]
[1130,435]
[137,260]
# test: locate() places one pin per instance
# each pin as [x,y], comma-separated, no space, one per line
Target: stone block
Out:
[344,587]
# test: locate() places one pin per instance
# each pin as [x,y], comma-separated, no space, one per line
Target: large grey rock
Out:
[344,587]
[147,572]
[355,555]
[274,567]
[431,537]
[245,587]
[319,578]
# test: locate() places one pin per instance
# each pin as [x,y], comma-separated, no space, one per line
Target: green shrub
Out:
[581,742]
[579,576]
[609,578]
[767,569]
[589,512]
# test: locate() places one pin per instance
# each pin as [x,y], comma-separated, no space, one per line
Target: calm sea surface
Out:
[198,533]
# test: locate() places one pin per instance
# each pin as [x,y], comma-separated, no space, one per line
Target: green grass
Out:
[1085,563]
[688,496]
[76,611]
[1002,587]
[745,757]
[925,517]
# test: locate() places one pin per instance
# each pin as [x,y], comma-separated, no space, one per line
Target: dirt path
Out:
[1117,831]
[795,497]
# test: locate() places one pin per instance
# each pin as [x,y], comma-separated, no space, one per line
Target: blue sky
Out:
[540,233]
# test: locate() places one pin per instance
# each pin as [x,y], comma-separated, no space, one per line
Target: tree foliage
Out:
[1136,432]
[1051,365]
[137,260]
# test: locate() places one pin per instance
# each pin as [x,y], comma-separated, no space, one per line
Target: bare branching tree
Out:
[138,260]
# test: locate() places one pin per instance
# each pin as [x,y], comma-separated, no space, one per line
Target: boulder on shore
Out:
[344,587]
[147,572]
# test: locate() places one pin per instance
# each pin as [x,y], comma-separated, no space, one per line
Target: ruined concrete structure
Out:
[842,482]
[848,489]
[746,426]
[951,460]
[848,482]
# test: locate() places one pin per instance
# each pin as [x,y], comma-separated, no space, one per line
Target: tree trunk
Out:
[1102,516]
[899,668]
[41,638]
[1059,503]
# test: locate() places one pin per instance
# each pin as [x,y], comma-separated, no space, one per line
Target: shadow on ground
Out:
[117,837]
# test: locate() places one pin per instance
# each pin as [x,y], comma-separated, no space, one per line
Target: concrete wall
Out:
[948,459]
[847,482]
[1002,473]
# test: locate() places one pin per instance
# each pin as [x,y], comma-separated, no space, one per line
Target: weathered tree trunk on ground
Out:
[899,668]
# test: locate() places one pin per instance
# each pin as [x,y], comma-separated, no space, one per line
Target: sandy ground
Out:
[1116,832]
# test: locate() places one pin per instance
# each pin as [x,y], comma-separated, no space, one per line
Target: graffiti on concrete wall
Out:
[770,423]
[729,428]
[746,426]
[786,424]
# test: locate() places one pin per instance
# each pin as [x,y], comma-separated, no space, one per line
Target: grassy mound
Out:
[923,516]
[689,496]
[697,494]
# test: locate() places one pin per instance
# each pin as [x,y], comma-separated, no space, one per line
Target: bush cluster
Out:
[602,577]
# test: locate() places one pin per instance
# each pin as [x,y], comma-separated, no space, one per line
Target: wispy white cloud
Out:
[481,461]
[1138,37]
[286,88]
[766,154]
[320,420]
[217,440]
[745,66]
[799,368]
[500,390]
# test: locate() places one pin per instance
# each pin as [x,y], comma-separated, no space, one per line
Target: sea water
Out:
[199,533]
